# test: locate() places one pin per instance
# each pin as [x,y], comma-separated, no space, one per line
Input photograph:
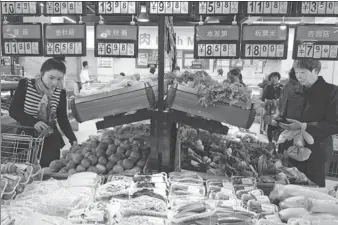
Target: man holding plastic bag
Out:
[319,121]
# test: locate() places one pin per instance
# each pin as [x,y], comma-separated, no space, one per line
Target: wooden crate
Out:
[186,100]
[110,103]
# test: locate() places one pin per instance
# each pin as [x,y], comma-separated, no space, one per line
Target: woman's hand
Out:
[293,125]
[40,126]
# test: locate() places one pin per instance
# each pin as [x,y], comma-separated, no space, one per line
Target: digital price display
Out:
[317,8]
[23,39]
[65,39]
[217,41]
[267,8]
[218,8]
[64,8]
[20,8]
[264,41]
[316,42]
[116,41]
[169,8]
[116,8]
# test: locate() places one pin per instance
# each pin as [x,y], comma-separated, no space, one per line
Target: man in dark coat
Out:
[319,117]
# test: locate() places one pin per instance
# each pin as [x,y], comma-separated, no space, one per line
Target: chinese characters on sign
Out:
[216,41]
[65,39]
[217,7]
[169,7]
[19,8]
[264,42]
[314,41]
[267,8]
[116,41]
[64,8]
[21,39]
[116,7]
[322,8]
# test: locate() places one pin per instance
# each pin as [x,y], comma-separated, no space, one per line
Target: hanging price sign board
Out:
[220,8]
[316,42]
[23,39]
[53,8]
[116,41]
[268,8]
[20,8]
[65,39]
[116,8]
[216,41]
[317,8]
[264,41]
[169,8]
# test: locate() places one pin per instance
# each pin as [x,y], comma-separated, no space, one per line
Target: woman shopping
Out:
[319,117]
[39,103]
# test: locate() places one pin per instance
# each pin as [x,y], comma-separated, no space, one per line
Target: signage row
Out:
[253,8]
[263,41]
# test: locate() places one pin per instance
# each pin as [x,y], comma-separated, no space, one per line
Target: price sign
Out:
[264,42]
[116,8]
[118,41]
[65,39]
[216,41]
[218,8]
[24,39]
[169,8]
[64,8]
[268,8]
[316,41]
[317,8]
[20,8]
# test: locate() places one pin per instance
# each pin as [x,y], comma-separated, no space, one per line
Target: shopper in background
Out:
[271,94]
[220,72]
[319,117]
[122,74]
[234,76]
[152,71]
[84,76]
[39,103]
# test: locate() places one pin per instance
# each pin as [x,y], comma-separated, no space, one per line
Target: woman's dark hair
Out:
[274,74]
[234,72]
[292,74]
[85,63]
[122,74]
[177,68]
[56,63]
[152,70]
[220,71]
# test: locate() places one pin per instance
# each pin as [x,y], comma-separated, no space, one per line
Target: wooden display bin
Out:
[113,102]
[186,100]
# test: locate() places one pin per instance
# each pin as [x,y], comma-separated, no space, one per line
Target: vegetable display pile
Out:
[211,91]
[124,149]
[5,102]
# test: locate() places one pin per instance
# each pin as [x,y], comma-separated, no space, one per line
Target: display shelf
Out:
[185,99]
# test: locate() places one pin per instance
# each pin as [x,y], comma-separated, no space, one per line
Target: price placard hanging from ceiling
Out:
[54,8]
[316,42]
[264,41]
[116,8]
[219,8]
[169,8]
[24,39]
[268,8]
[217,41]
[329,8]
[20,8]
[65,39]
[117,41]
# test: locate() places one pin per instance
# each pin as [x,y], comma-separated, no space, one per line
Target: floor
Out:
[89,128]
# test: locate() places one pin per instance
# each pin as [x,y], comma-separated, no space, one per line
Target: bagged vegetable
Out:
[322,206]
[289,213]
[84,179]
[268,222]
[299,153]
[293,202]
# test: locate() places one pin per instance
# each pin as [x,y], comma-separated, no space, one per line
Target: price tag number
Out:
[217,50]
[267,7]
[264,50]
[169,7]
[319,8]
[21,48]
[18,8]
[116,49]
[317,51]
[115,7]
[218,7]
[63,8]
[64,48]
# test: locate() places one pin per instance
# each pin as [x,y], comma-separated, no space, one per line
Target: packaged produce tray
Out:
[186,100]
[114,102]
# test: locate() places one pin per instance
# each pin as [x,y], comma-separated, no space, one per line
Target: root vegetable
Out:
[289,213]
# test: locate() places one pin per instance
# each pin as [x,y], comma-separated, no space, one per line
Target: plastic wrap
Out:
[144,205]
[114,188]
[143,220]
[258,207]
[154,178]
[161,194]
[238,180]
[181,189]
[185,177]
[84,179]
[93,214]
[220,190]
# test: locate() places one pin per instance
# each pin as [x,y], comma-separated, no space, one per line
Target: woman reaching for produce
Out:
[319,117]
[39,103]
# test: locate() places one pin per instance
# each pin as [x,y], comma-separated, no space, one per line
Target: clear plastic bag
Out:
[84,179]
[181,189]
[143,220]
[185,177]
